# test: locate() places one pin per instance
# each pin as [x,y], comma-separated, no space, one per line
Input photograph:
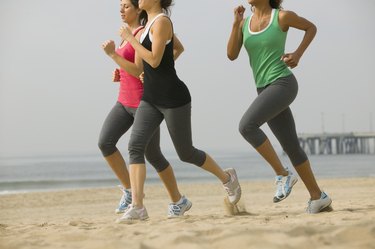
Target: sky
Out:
[56,89]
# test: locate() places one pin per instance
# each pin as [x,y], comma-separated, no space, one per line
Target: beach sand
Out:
[86,219]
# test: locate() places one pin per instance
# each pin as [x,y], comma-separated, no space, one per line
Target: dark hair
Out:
[165,5]
[143,15]
[276,4]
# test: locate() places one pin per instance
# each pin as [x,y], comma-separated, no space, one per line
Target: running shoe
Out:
[316,206]
[284,185]
[232,187]
[133,214]
[179,208]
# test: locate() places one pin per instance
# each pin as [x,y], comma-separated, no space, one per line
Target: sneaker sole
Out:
[276,199]
[324,209]
[130,221]
[328,208]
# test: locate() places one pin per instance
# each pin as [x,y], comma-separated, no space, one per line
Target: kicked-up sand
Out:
[85,219]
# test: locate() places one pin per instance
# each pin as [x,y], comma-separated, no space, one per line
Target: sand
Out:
[85,218]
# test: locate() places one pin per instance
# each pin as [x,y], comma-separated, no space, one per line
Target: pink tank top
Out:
[131,88]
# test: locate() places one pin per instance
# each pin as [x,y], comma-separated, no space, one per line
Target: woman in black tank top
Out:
[167,98]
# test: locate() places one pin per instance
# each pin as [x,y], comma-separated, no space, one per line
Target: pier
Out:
[338,143]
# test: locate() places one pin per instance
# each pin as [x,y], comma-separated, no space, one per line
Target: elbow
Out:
[313,29]
[231,57]
[232,53]
[155,64]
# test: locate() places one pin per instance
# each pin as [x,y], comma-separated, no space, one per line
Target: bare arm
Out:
[178,48]
[162,32]
[130,67]
[235,39]
[290,19]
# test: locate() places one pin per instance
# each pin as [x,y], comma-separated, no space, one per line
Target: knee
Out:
[157,160]
[106,147]
[193,156]
[247,128]
[185,157]
[136,151]
[135,148]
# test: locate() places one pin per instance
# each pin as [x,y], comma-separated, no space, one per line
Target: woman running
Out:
[263,35]
[121,117]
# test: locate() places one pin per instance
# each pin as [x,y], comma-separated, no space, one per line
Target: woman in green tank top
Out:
[263,34]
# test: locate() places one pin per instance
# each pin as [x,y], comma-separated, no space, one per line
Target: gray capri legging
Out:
[272,106]
[117,123]
[178,120]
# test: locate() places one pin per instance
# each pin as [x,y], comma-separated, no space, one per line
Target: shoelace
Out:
[174,209]
[125,199]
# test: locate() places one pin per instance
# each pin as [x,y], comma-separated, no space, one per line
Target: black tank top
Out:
[162,87]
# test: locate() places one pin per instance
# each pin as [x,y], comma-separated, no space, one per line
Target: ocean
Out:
[51,173]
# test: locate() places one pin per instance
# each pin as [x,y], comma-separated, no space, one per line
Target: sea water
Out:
[47,173]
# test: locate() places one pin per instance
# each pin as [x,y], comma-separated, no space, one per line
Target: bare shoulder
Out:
[288,19]
[285,15]
[162,25]
[163,21]
[291,19]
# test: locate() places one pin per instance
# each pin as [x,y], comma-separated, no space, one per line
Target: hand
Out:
[125,33]
[291,60]
[116,75]
[142,77]
[109,47]
[238,14]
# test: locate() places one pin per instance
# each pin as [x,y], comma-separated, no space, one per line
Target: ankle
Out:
[315,196]
[282,173]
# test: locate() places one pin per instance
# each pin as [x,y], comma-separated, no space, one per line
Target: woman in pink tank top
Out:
[121,117]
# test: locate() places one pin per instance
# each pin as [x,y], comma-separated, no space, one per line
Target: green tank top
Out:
[265,49]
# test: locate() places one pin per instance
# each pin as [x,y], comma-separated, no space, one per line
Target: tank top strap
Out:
[137,30]
[148,26]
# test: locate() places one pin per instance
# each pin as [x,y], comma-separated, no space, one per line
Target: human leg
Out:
[178,122]
[157,160]
[118,121]
[147,120]
[271,100]
[283,127]
[115,125]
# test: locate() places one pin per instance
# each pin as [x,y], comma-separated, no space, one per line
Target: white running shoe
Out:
[125,201]
[316,206]
[232,187]
[284,185]
[132,214]
[179,208]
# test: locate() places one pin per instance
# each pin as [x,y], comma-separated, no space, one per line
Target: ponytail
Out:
[276,4]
